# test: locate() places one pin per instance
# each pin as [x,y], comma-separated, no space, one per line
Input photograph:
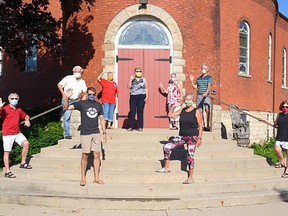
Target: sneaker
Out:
[285,175]
[188,181]
[163,170]
[68,137]
[140,129]
[129,129]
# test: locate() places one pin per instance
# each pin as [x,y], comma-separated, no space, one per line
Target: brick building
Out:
[244,43]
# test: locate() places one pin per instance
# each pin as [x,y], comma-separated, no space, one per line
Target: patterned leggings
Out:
[179,141]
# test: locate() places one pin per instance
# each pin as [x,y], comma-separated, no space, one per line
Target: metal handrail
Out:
[41,114]
[240,110]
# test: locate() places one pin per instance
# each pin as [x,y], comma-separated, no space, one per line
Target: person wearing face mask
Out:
[11,116]
[90,111]
[190,133]
[203,85]
[109,93]
[138,97]
[79,87]
[174,94]
[281,123]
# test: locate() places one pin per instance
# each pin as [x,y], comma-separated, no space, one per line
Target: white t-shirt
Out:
[78,86]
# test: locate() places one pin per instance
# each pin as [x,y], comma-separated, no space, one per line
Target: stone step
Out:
[144,165]
[157,134]
[54,152]
[136,190]
[143,145]
[151,175]
[163,203]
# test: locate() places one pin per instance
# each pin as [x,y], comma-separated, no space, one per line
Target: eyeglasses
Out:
[91,94]
[139,71]
[14,98]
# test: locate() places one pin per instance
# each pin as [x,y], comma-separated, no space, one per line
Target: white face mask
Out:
[204,71]
[77,75]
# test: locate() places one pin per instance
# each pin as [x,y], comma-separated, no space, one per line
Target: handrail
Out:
[240,110]
[43,113]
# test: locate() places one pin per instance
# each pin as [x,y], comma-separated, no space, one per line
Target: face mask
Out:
[91,97]
[173,80]
[285,109]
[204,71]
[110,77]
[13,102]
[138,74]
[188,103]
[77,75]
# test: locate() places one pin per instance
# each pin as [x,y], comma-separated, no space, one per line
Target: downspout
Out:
[274,70]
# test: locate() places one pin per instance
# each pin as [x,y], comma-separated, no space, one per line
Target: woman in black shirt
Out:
[191,129]
[281,123]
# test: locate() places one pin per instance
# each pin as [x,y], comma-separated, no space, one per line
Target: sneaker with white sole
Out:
[163,170]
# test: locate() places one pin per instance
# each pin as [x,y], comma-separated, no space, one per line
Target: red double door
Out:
[156,68]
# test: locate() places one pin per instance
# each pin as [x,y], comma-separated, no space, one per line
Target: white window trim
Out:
[270,58]
[248,51]
[284,68]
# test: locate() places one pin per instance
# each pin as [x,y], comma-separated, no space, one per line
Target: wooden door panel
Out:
[155,71]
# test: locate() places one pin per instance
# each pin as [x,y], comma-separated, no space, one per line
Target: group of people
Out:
[76,96]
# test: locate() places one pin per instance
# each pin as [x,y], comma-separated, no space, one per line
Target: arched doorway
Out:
[146,43]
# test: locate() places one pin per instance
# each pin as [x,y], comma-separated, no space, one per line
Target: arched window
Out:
[144,33]
[284,68]
[270,57]
[244,45]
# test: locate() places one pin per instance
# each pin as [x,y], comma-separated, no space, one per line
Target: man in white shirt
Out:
[79,88]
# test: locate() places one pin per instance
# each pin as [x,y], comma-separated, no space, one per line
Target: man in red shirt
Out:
[109,92]
[11,116]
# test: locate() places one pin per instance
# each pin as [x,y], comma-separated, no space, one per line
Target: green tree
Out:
[24,24]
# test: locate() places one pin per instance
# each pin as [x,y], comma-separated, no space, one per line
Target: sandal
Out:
[9,175]
[188,181]
[25,166]
[279,165]
[285,175]
[163,170]
[82,183]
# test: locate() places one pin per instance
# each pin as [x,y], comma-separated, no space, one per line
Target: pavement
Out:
[253,210]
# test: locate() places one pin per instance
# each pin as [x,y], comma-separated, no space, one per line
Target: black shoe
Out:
[68,137]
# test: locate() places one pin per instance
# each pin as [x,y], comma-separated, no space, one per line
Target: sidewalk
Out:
[253,210]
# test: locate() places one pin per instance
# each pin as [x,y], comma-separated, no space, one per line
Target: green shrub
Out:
[44,131]
[266,150]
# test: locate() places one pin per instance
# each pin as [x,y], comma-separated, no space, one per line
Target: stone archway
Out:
[151,10]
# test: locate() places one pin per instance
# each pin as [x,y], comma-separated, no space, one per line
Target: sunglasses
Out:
[285,106]
[138,71]
[14,98]
[91,94]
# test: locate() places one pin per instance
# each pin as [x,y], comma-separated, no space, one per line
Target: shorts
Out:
[90,143]
[201,101]
[282,144]
[9,140]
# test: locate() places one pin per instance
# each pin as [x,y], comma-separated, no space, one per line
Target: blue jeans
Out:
[108,110]
[66,119]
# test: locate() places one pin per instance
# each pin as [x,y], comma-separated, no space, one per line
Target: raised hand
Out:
[69,92]
[192,78]
[1,103]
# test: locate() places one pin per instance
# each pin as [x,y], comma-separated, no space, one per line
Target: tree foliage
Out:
[26,23]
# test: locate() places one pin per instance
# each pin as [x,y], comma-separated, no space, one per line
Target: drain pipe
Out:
[274,69]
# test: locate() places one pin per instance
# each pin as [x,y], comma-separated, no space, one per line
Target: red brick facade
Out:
[210,33]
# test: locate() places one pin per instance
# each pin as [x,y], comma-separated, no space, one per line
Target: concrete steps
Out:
[225,175]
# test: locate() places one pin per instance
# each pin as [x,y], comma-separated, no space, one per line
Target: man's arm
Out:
[103,125]
[27,121]
[146,92]
[60,87]
[66,97]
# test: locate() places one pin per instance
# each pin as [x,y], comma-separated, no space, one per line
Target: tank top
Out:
[282,129]
[188,123]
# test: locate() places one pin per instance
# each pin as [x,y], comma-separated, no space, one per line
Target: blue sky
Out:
[283,7]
